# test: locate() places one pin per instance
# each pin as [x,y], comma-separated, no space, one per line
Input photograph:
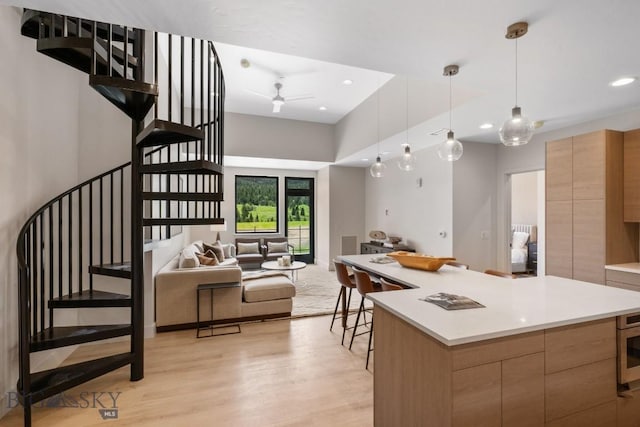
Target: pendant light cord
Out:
[450,92]
[516,72]
[407,109]
[378,114]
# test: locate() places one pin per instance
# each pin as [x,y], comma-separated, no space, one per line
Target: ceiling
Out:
[574,48]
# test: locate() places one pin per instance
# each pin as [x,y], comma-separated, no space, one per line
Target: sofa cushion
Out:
[268,289]
[208,258]
[188,258]
[228,250]
[216,248]
[277,247]
[248,248]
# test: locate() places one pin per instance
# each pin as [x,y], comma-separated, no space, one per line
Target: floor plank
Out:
[275,373]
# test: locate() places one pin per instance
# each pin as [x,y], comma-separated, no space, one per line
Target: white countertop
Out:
[632,267]
[512,306]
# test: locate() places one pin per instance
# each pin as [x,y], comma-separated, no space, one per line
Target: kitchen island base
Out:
[564,376]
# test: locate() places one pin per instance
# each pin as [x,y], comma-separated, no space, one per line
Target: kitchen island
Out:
[541,352]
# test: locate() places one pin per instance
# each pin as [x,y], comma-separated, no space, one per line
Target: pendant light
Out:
[450,149]
[517,130]
[377,169]
[407,159]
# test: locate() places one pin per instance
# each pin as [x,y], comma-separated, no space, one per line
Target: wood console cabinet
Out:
[584,200]
[372,248]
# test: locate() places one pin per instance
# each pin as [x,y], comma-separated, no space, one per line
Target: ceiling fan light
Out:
[377,169]
[407,161]
[517,130]
[450,149]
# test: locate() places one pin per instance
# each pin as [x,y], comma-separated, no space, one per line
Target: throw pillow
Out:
[277,247]
[520,240]
[226,249]
[216,248]
[188,259]
[248,248]
[208,258]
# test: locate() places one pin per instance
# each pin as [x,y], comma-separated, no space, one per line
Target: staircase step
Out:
[93,298]
[73,51]
[48,383]
[184,197]
[162,132]
[190,167]
[122,270]
[147,222]
[62,336]
[132,97]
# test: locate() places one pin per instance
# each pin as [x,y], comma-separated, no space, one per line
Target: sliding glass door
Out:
[299,208]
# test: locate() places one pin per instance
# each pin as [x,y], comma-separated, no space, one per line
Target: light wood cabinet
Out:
[632,176]
[585,224]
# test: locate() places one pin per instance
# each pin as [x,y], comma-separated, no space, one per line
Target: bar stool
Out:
[346,282]
[457,265]
[500,274]
[388,286]
[364,286]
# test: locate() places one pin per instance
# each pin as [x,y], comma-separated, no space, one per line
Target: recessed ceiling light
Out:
[244,63]
[347,82]
[323,108]
[384,153]
[364,160]
[486,126]
[622,81]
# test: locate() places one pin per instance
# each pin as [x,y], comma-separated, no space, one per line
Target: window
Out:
[256,204]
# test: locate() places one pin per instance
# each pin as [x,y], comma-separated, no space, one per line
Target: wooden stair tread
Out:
[162,132]
[190,167]
[122,270]
[48,383]
[132,97]
[62,336]
[185,197]
[181,221]
[93,298]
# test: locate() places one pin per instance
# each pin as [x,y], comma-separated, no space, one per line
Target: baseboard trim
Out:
[193,325]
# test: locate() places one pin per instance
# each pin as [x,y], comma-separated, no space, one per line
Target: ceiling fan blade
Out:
[259,94]
[298,98]
[276,107]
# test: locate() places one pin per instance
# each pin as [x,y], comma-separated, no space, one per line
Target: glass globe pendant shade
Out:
[518,130]
[451,149]
[407,160]
[377,169]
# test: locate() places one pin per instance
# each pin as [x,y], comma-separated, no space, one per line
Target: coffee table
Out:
[293,268]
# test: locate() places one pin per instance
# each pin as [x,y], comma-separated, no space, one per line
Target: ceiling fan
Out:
[278,100]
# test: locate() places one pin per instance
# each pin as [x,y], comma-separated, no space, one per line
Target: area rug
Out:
[317,291]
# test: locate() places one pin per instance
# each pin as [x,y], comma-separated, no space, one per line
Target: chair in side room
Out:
[249,253]
[346,282]
[500,274]
[389,286]
[364,286]
[457,265]
[275,247]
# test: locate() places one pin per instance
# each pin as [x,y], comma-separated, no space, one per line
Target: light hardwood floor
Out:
[276,373]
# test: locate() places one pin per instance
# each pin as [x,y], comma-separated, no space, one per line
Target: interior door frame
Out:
[310,257]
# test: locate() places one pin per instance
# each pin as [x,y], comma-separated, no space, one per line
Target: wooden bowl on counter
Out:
[419,261]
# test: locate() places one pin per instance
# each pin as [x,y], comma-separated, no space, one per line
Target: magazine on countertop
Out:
[382,260]
[452,302]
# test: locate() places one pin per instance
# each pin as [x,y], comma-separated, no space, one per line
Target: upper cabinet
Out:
[584,198]
[632,176]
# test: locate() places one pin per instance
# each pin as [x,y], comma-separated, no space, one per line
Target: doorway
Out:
[299,217]
[527,223]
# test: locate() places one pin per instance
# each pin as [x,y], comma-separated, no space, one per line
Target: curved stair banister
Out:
[174,179]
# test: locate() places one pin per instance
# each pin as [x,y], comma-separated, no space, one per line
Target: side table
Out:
[210,327]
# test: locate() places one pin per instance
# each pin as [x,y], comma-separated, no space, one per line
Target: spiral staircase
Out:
[172,89]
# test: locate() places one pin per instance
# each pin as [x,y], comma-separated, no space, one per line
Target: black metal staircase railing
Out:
[98,227]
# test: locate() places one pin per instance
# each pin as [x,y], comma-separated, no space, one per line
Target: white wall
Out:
[40,153]
[396,205]
[323,219]
[524,198]
[257,136]
[474,206]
